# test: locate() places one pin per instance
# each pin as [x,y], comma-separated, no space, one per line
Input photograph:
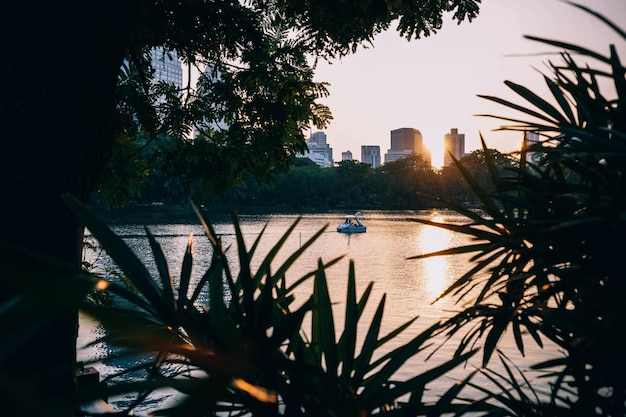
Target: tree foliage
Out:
[401,184]
[256,95]
[59,120]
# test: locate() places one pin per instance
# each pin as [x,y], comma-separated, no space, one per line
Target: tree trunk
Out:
[57,87]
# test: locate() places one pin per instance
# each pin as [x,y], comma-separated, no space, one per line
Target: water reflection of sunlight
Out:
[437,218]
[436,269]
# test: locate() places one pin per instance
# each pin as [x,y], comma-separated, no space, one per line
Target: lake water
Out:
[380,256]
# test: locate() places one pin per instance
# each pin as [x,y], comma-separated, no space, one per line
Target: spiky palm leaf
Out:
[548,245]
[245,350]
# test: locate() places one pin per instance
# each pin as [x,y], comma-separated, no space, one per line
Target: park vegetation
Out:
[306,187]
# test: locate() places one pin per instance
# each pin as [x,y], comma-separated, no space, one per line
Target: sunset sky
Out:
[431,84]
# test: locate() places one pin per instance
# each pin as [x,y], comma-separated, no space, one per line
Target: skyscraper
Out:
[318,138]
[453,143]
[319,151]
[404,142]
[407,138]
[346,156]
[370,154]
[167,66]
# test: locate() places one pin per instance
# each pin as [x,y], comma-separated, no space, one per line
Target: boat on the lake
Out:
[352,224]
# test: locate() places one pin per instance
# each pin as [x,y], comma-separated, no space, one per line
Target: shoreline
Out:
[157,213]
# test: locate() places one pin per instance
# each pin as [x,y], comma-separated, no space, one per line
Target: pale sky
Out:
[431,84]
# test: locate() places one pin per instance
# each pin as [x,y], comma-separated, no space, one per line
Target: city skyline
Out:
[431,84]
[402,142]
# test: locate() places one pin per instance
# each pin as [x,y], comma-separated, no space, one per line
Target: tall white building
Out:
[346,156]
[453,143]
[167,66]
[319,151]
[370,154]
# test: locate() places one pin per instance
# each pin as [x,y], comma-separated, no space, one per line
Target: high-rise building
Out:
[407,139]
[453,143]
[370,154]
[346,156]
[319,151]
[404,142]
[317,137]
[167,66]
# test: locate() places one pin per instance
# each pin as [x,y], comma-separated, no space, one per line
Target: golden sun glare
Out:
[435,239]
[437,218]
